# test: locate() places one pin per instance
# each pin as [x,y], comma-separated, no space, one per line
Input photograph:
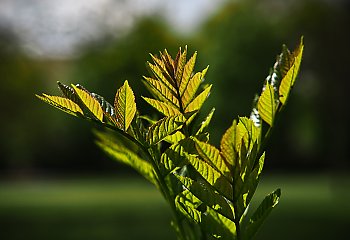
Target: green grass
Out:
[312,207]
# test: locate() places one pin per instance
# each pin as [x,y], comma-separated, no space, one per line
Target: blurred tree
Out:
[240,43]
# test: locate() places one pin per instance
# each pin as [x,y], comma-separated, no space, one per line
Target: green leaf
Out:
[246,185]
[108,109]
[267,104]
[63,104]
[69,92]
[187,203]
[204,125]
[163,107]
[212,176]
[247,132]
[90,102]
[164,127]
[228,143]
[187,73]
[126,156]
[197,103]
[218,226]
[125,106]
[176,156]
[175,137]
[207,195]
[289,78]
[212,156]
[180,65]
[261,214]
[162,92]
[192,87]
[160,73]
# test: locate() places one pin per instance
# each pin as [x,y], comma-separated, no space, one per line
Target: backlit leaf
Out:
[212,176]
[187,73]
[218,226]
[90,102]
[208,196]
[160,73]
[187,203]
[248,132]
[204,125]
[162,92]
[192,87]
[164,127]
[289,78]
[165,108]
[267,104]
[180,65]
[212,156]
[177,155]
[197,103]
[127,156]
[125,106]
[246,185]
[175,137]
[63,104]
[228,143]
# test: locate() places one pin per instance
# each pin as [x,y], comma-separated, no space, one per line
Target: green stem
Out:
[236,221]
[165,191]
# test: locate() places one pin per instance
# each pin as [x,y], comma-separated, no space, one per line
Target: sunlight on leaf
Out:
[197,103]
[90,102]
[125,106]
[165,108]
[164,127]
[63,104]
[267,104]
[289,78]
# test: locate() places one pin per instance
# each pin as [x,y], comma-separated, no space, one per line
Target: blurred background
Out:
[56,184]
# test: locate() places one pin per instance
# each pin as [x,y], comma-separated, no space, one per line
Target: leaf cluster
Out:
[208,188]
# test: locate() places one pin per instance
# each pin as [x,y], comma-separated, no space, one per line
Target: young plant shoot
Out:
[207,187]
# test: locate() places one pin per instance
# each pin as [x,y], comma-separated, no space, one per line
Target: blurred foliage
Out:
[233,42]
